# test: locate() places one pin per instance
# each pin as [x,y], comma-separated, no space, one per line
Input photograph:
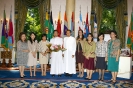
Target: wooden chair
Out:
[6,55]
[3,57]
[9,56]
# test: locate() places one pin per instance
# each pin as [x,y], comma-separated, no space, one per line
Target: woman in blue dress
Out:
[113,55]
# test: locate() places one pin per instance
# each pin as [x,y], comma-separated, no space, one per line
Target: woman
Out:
[113,55]
[22,53]
[43,55]
[32,61]
[101,56]
[79,53]
[89,53]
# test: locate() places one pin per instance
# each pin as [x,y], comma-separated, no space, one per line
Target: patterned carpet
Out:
[11,79]
[68,84]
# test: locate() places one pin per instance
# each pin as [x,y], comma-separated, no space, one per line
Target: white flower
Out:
[52,48]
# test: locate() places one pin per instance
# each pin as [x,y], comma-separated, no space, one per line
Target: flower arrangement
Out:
[55,48]
[49,45]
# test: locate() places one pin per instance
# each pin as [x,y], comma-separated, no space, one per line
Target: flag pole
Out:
[87,13]
[51,7]
[60,8]
[4,7]
[87,9]
[80,8]
[11,10]
[60,15]
[65,8]
[11,7]
[47,8]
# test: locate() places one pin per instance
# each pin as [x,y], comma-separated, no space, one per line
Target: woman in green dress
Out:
[113,55]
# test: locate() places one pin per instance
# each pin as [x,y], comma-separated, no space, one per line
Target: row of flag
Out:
[85,28]
[130,34]
[49,26]
[7,39]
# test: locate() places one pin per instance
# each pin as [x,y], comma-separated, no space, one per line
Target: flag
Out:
[51,26]
[95,28]
[95,21]
[80,21]
[72,23]
[47,26]
[4,38]
[130,34]
[65,23]
[59,26]
[86,27]
[10,33]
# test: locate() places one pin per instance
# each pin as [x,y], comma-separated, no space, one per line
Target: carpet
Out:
[15,74]
[67,84]
[11,79]
[15,67]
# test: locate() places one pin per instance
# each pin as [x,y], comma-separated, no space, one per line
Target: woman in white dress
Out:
[32,60]
[43,55]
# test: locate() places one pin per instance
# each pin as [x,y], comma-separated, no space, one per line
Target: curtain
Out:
[120,7]
[41,10]
[32,3]
[92,15]
[92,23]
[121,24]
[45,6]
[20,14]
[21,8]
[109,4]
[99,10]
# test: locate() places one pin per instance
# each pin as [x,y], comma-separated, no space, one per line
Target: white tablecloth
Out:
[125,67]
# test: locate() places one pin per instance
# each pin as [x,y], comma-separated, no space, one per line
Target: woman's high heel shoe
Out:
[99,79]
[114,82]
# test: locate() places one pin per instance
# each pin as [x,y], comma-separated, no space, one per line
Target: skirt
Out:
[113,64]
[89,64]
[31,60]
[43,59]
[79,57]
[101,63]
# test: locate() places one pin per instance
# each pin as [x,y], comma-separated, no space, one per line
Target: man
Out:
[56,57]
[69,54]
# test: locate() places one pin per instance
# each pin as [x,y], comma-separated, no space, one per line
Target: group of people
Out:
[82,51]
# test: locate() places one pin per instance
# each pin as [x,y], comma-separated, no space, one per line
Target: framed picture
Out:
[125,52]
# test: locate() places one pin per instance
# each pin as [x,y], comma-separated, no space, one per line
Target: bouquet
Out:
[49,45]
[55,48]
